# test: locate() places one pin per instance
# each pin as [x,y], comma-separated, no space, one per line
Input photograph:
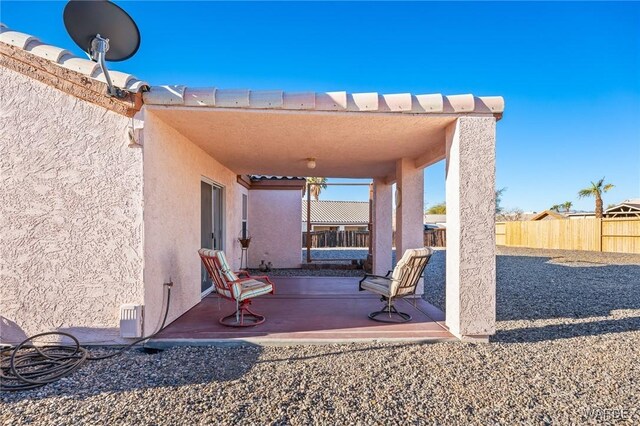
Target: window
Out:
[245,202]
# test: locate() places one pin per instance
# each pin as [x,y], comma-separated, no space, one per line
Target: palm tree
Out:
[555,208]
[567,205]
[319,183]
[595,190]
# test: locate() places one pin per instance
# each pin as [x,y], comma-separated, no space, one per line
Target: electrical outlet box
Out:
[131,321]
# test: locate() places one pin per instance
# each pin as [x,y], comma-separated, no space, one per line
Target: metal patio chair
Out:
[241,290]
[402,283]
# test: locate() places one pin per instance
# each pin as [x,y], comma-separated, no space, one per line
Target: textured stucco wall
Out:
[173,170]
[71,214]
[274,223]
[471,262]
[382,227]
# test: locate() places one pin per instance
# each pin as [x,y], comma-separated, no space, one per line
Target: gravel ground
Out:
[566,352]
[333,253]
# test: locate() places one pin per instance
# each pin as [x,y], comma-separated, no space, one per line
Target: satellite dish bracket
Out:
[99,48]
[105,32]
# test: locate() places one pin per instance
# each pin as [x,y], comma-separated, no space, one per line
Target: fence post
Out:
[599,234]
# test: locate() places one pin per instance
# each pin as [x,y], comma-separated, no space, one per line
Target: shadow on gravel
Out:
[530,288]
[137,370]
[566,331]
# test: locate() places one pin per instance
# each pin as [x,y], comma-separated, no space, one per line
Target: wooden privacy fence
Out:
[610,235]
[322,239]
[435,237]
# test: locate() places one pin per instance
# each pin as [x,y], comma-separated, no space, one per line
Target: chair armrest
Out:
[265,278]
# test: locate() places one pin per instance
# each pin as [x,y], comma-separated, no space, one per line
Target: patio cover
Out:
[360,135]
[389,138]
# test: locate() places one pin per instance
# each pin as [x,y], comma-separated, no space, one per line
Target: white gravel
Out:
[566,352]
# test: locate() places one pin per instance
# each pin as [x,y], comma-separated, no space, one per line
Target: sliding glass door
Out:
[212,232]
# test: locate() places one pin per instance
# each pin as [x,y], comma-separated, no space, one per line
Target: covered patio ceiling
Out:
[359,135]
[350,145]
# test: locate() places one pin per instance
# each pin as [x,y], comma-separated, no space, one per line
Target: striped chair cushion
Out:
[224,266]
[377,285]
[207,252]
[212,254]
[250,288]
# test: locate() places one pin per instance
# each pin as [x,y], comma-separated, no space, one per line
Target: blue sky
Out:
[569,72]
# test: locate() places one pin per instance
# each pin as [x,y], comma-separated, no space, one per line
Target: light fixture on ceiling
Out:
[311,163]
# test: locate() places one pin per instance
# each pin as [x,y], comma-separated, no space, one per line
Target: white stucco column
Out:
[410,208]
[382,227]
[471,247]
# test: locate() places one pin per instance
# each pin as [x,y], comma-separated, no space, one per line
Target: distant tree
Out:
[499,193]
[510,215]
[596,189]
[610,206]
[320,184]
[440,208]
[565,207]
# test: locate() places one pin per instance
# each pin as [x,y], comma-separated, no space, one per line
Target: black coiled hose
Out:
[27,366]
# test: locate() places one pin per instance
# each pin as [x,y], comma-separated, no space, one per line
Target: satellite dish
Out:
[104,31]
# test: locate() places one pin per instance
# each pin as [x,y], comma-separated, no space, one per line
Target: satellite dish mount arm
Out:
[99,48]
[97,25]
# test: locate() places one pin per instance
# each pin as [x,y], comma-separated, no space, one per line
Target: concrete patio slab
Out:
[305,310]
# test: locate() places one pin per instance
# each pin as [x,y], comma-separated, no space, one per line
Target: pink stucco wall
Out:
[471,247]
[173,169]
[71,233]
[274,223]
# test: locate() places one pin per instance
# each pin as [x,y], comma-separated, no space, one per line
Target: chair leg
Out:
[390,314]
[242,317]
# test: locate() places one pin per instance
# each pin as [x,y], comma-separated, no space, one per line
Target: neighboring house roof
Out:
[435,218]
[65,59]
[631,203]
[547,214]
[634,201]
[629,207]
[337,212]
[576,215]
